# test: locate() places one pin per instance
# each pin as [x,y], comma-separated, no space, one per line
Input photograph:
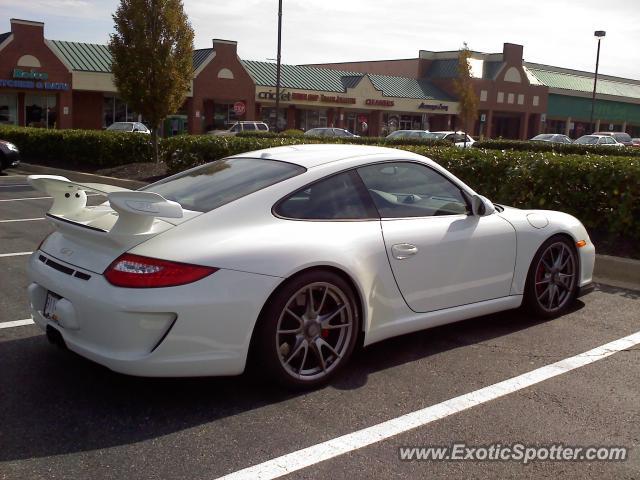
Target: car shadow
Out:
[55,402]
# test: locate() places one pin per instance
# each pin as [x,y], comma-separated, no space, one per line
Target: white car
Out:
[295,254]
[600,140]
[129,127]
[457,138]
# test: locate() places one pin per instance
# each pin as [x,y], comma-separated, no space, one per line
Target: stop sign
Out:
[239,108]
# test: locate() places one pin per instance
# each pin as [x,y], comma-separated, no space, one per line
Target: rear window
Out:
[215,184]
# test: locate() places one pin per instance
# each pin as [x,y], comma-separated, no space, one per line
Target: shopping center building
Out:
[62,84]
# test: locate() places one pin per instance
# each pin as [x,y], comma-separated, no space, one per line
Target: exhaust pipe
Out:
[55,337]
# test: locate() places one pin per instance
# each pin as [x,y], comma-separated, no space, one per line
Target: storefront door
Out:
[8,109]
[40,111]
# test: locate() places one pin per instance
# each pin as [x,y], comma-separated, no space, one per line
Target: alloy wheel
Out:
[314,331]
[555,277]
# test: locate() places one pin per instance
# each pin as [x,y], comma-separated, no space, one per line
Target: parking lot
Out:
[62,416]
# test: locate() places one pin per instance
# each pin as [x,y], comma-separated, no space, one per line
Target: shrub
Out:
[523,145]
[78,148]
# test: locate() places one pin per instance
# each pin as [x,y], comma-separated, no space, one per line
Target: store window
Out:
[269,117]
[9,109]
[40,110]
[115,109]
[223,116]
[312,119]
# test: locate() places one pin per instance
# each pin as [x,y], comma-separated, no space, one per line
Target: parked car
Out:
[457,138]
[600,140]
[329,132]
[636,142]
[551,138]
[295,254]
[9,155]
[410,134]
[242,126]
[133,127]
[621,137]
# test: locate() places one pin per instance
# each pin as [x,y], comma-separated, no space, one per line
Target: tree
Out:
[464,88]
[151,53]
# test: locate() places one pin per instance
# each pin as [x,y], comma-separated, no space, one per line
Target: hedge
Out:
[602,191]
[357,140]
[78,148]
[568,148]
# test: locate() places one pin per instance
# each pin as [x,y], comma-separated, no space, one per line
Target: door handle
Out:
[401,251]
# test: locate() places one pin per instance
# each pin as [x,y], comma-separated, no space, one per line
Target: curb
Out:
[77,176]
[618,269]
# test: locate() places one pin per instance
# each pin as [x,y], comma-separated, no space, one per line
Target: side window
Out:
[262,126]
[249,126]
[406,189]
[235,128]
[340,197]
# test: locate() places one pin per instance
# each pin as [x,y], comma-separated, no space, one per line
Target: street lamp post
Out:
[599,34]
[278,66]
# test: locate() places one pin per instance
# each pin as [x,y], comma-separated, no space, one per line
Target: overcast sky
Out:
[555,32]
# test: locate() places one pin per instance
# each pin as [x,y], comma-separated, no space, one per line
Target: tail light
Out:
[135,271]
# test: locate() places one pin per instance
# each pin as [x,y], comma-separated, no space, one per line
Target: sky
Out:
[554,32]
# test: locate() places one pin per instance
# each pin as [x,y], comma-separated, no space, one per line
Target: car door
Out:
[440,254]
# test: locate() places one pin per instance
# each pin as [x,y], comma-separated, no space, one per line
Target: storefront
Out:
[357,103]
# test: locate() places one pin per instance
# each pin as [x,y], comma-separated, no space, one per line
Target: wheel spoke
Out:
[304,357]
[543,281]
[324,297]
[289,331]
[299,345]
[552,294]
[320,342]
[318,353]
[547,267]
[325,322]
[294,315]
[558,261]
[310,311]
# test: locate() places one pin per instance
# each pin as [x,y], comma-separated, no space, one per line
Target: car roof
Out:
[313,155]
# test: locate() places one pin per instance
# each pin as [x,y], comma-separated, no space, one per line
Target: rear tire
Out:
[308,330]
[552,280]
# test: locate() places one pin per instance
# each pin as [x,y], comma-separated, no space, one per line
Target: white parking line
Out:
[16,254]
[22,220]
[306,457]
[16,323]
[18,199]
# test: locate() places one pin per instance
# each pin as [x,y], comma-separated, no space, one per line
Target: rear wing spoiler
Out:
[136,211]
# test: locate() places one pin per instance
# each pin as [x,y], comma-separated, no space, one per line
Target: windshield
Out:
[121,127]
[435,136]
[544,136]
[587,140]
[217,183]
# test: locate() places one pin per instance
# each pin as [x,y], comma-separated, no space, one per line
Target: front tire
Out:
[552,281]
[308,331]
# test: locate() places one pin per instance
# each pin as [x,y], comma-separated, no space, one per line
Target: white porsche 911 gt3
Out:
[294,254]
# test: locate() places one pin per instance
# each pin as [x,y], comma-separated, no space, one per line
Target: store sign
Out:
[30,84]
[32,75]
[239,108]
[270,95]
[431,106]
[379,103]
[312,97]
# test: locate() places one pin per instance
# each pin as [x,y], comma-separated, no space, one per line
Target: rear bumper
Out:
[199,329]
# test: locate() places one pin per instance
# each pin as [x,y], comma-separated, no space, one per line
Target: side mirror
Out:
[481,206]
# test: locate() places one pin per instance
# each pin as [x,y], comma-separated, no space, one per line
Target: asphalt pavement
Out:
[62,416]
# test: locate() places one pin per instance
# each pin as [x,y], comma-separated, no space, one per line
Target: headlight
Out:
[11,146]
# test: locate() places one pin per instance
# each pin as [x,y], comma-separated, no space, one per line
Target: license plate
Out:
[50,306]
